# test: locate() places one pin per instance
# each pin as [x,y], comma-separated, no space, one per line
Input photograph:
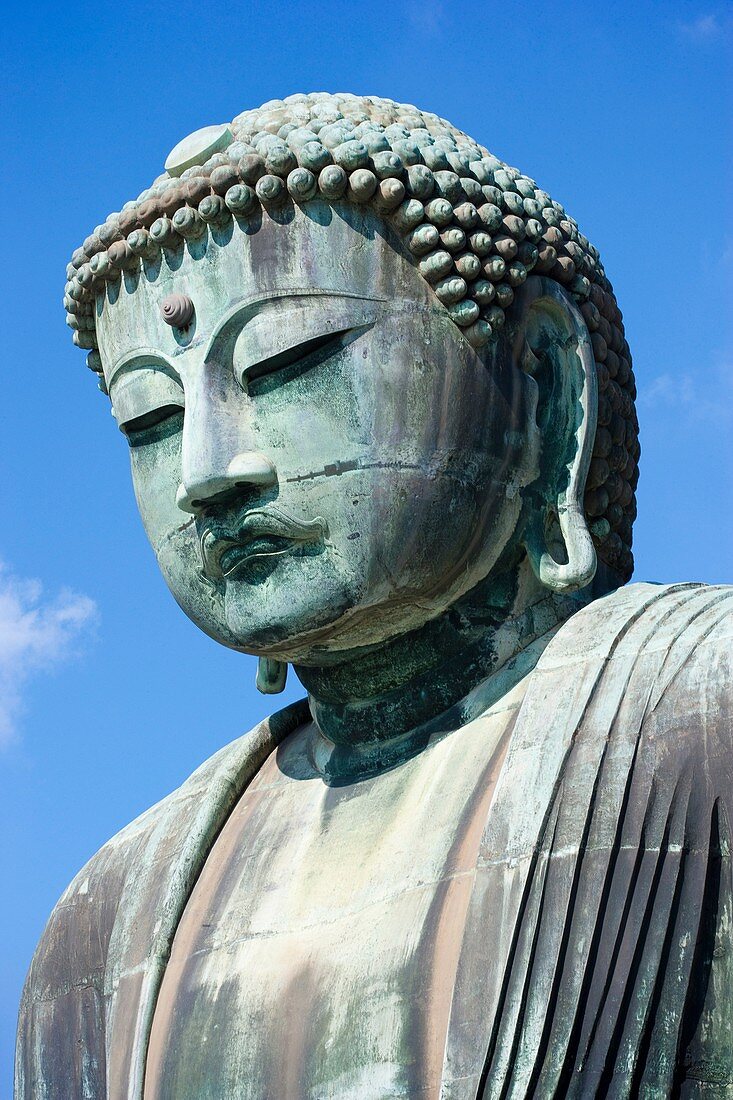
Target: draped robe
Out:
[595,954]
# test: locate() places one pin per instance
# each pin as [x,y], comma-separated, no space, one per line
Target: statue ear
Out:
[551,344]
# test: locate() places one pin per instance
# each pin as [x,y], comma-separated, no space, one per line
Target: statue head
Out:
[362,366]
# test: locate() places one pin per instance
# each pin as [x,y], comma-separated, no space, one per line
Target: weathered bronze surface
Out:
[381,423]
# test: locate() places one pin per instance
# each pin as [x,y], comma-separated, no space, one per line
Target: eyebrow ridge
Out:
[155,358]
[149,357]
[259,299]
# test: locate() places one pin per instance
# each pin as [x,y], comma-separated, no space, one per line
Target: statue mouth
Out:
[263,534]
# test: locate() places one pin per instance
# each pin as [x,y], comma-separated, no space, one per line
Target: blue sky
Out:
[109,697]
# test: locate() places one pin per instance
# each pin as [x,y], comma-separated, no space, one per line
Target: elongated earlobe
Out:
[271,676]
[552,344]
[580,566]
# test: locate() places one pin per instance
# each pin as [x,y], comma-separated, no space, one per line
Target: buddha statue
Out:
[380,413]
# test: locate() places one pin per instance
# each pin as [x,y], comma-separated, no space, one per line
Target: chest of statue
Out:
[318,952]
[527,908]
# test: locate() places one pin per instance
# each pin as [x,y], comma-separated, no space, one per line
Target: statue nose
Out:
[248,468]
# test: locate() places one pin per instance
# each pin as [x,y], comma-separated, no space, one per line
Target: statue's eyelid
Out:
[142,359]
[239,316]
[142,390]
[273,341]
[299,352]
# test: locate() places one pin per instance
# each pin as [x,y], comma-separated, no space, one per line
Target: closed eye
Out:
[150,419]
[147,403]
[285,338]
[317,349]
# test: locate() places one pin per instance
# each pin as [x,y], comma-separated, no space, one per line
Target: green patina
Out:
[380,416]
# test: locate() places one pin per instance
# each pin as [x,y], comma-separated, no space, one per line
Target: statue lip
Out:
[266,533]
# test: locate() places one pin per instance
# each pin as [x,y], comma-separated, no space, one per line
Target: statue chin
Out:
[279,614]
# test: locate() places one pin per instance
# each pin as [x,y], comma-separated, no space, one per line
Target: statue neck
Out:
[392,690]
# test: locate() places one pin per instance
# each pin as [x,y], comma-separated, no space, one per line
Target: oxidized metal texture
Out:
[474,227]
[395,446]
[353,972]
[588,951]
[93,983]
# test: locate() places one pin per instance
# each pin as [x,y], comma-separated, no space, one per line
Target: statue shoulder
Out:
[687,621]
[670,647]
[690,655]
[123,904]
[679,628]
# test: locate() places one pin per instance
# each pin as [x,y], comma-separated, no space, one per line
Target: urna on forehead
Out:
[472,227]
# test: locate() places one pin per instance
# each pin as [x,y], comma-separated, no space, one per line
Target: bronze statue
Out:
[381,419]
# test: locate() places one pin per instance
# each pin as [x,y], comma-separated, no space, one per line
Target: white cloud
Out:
[36,633]
[702,399]
[706,28]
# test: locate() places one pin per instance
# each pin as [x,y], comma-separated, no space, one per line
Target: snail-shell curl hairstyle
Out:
[474,227]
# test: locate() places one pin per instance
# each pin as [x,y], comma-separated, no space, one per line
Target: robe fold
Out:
[595,958]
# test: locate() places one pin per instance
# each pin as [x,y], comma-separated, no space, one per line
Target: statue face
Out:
[320,459]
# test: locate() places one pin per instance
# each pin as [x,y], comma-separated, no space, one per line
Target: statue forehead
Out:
[343,251]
